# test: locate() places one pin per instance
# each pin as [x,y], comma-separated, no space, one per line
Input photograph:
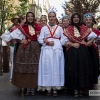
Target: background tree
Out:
[81,6]
[6,7]
[9,10]
[22,8]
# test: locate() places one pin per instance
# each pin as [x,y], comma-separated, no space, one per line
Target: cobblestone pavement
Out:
[9,92]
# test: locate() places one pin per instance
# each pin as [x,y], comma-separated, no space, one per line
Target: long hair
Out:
[77,25]
[27,22]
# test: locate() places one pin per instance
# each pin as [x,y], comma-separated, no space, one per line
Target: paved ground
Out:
[9,92]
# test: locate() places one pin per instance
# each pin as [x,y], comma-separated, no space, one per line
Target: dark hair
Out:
[28,23]
[77,25]
[93,20]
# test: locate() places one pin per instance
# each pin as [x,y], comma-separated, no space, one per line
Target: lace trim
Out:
[43,88]
[76,32]
[31,30]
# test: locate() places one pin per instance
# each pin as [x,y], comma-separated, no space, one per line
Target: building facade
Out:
[39,7]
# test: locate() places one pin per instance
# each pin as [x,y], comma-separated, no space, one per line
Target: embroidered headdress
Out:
[66,17]
[52,9]
[88,15]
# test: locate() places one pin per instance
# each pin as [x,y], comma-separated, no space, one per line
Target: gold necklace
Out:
[76,32]
[31,30]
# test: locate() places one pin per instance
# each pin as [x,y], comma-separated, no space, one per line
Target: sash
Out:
[52,34]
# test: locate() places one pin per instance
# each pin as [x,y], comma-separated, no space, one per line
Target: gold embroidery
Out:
[72,38]
[76,32]
[31,30]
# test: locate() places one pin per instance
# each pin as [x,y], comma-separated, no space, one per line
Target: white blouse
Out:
[16,34]
[59,38]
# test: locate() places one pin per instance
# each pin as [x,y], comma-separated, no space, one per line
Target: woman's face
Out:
[76,19]
[43,21]
[30,17]
[52,17]
[65,22]
[88,21]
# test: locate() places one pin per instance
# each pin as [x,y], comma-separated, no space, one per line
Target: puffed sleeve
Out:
[63,38]
[6,36]
[16,34]
[41,37]
[92,35]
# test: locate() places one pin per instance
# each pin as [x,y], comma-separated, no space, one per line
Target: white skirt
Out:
[51,68]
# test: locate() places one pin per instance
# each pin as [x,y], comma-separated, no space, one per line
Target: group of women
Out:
[51,57]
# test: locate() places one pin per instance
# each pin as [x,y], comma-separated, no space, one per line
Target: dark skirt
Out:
[95,62]
[78,70]
[26,62]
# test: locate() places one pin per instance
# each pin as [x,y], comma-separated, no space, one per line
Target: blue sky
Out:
[57,4]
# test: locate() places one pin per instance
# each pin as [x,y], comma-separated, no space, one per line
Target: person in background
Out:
[43,21]
[65,24]
[60,22]
[51,63]
[37,20]
[22,19]
[93,47]
[65,21]
[15,20]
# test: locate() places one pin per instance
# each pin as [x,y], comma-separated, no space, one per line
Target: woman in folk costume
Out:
[65,24]
[65,21]
[27,58]
[93,48]
[79,66]
[51,63]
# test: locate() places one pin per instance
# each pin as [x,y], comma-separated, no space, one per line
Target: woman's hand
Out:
[83,42]
[70,44]
[89,44]
[45,40]
[76,45]
[51,43]
[24,41]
